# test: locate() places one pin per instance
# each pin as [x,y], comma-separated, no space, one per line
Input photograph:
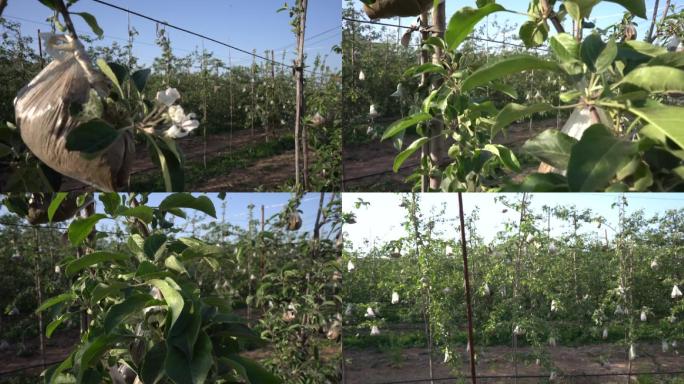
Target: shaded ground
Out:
[267,173]
[373,367]
[368,166]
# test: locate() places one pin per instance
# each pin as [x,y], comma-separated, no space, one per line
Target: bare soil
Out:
[374,367]
[262,174]
[368,166]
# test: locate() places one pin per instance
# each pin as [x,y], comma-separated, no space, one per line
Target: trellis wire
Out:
[532,376]
[253,54]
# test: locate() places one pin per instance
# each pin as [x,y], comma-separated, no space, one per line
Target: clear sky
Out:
[245,24]
[381,221]
[603,14]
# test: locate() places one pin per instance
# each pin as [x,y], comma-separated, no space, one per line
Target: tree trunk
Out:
[300,143]
[436,126]
[424,57]
[3,4]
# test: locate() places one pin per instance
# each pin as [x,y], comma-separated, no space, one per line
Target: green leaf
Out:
[50,329]
[152,370]
[405,154]
[579,9]
[591,49]
[190,369]
[252,371]
[92,22]
[667,119]
[656,79]
[111,202]
[669,59]
[174,264]
[79,229]
[552,147]
[90,352]
[534,32]
[596,158]
[173,299]
[55,203]
[506,89]
[91,259]
[119,312]
[405,123]
[645,48]
[607,56]
[153,243]
[542,182]
[504,67]
[637,7]
[513,112]
[186,200]
[504,154]
[464,21]
[141,212]
[92,136]
[424,68]
[69,296]
[565,47]
[109,70]
[140,78]
[49,3]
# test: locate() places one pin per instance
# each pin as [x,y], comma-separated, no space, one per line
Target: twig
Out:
[61,8]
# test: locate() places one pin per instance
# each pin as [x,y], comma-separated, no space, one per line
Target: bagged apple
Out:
[45,114]
[382,9]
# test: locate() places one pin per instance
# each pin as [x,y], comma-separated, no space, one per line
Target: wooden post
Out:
[466,278]
[436,126]
[261,259]
[299,88]
[40,51]
[253,80]
[39,296]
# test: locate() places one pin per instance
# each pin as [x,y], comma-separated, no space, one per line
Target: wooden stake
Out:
[466,278]
[649,36]
[40,51]
[299,101]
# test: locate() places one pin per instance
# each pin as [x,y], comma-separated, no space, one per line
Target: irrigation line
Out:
[14,371]
[194,33]
[467,38]
[531,376]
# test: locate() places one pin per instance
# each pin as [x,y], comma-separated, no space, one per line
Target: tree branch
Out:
[61,8]
[3,4]
[551,15]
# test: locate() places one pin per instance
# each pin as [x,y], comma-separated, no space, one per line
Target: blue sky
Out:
[245,24]
[381,221]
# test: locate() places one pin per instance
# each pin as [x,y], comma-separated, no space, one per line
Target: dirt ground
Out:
[368,166]
[265,173]
[374,367]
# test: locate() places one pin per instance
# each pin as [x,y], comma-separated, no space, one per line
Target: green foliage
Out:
[563,287]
